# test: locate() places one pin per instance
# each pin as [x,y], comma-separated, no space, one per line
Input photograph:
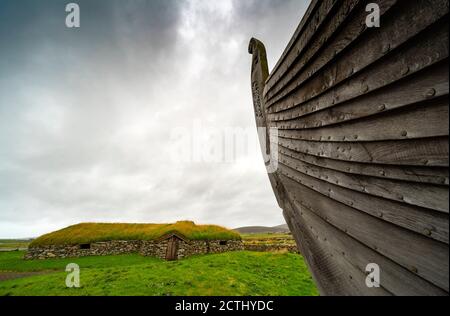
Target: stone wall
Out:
[95,249]
[271,248]
[145,248]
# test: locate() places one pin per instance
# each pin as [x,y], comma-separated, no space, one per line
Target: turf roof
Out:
[98,232]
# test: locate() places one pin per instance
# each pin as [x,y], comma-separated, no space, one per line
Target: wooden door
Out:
[172,249]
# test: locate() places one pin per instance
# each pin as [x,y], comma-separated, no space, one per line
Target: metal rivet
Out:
[430,93]
[405,71]
[382,173]
[380,215]
[414,269]
[382,107]
[427,232]
[386,48]
[364,88]
[404,133]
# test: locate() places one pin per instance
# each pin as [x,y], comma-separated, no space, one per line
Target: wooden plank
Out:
[423,221]
[305,68]
[428,119]
[394,278]
[424,195]
[402,246]
[332,276]
[318,15]
[435,175]
[426,85]
[395,31]
[409,59]
[412,152]
[320,41]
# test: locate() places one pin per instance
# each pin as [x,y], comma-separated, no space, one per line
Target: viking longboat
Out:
[361,170]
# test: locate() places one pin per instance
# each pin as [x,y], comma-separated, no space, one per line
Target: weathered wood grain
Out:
[362,119]
[424,195]
[413,152]
[426,85]
[333,275]
[308,52]
[319,13]
[317,93]
[423,221]
[394,278]
[349,32]
[439,176]
[401,246]
[396,31]
[407,124]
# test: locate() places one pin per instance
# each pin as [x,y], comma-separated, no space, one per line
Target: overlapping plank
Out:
[439,176]
[424,195]
[412,152]
[409,59]
[423,221]
[305,68]
[402,246]
[320,41]
[426,85]
[407,124]
[394,278]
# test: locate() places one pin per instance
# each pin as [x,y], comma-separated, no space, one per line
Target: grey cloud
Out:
[86,115]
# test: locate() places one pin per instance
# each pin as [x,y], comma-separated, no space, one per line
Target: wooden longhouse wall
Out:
[362,119]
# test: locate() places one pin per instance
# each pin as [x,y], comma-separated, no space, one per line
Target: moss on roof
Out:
[98,232]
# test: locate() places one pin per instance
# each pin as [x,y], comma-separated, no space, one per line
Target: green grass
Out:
[268,239]
[11,245]
[266,236]
[233,273]
[14,243]
[97,232]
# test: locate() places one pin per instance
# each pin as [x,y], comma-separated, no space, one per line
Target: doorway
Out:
[172,249]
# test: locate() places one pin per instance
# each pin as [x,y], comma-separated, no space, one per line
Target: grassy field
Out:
[234,273]
[12,244]
[97,232]
[268,239]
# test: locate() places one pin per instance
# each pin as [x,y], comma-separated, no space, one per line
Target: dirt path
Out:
[16,275]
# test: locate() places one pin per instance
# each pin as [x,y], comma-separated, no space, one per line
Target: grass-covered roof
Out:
[98,232]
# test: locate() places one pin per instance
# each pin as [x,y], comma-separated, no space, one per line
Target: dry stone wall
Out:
[271,248]
[145,248]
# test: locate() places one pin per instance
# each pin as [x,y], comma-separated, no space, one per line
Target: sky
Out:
[122,119]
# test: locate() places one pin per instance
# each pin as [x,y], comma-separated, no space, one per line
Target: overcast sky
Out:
[87,115]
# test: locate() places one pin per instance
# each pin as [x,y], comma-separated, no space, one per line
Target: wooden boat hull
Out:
[361,117]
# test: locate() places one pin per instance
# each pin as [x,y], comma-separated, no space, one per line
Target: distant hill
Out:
[262,229]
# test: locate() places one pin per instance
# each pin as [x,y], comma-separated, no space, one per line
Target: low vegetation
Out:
[14,244]
[97,232]
[268,239]
[233,273]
